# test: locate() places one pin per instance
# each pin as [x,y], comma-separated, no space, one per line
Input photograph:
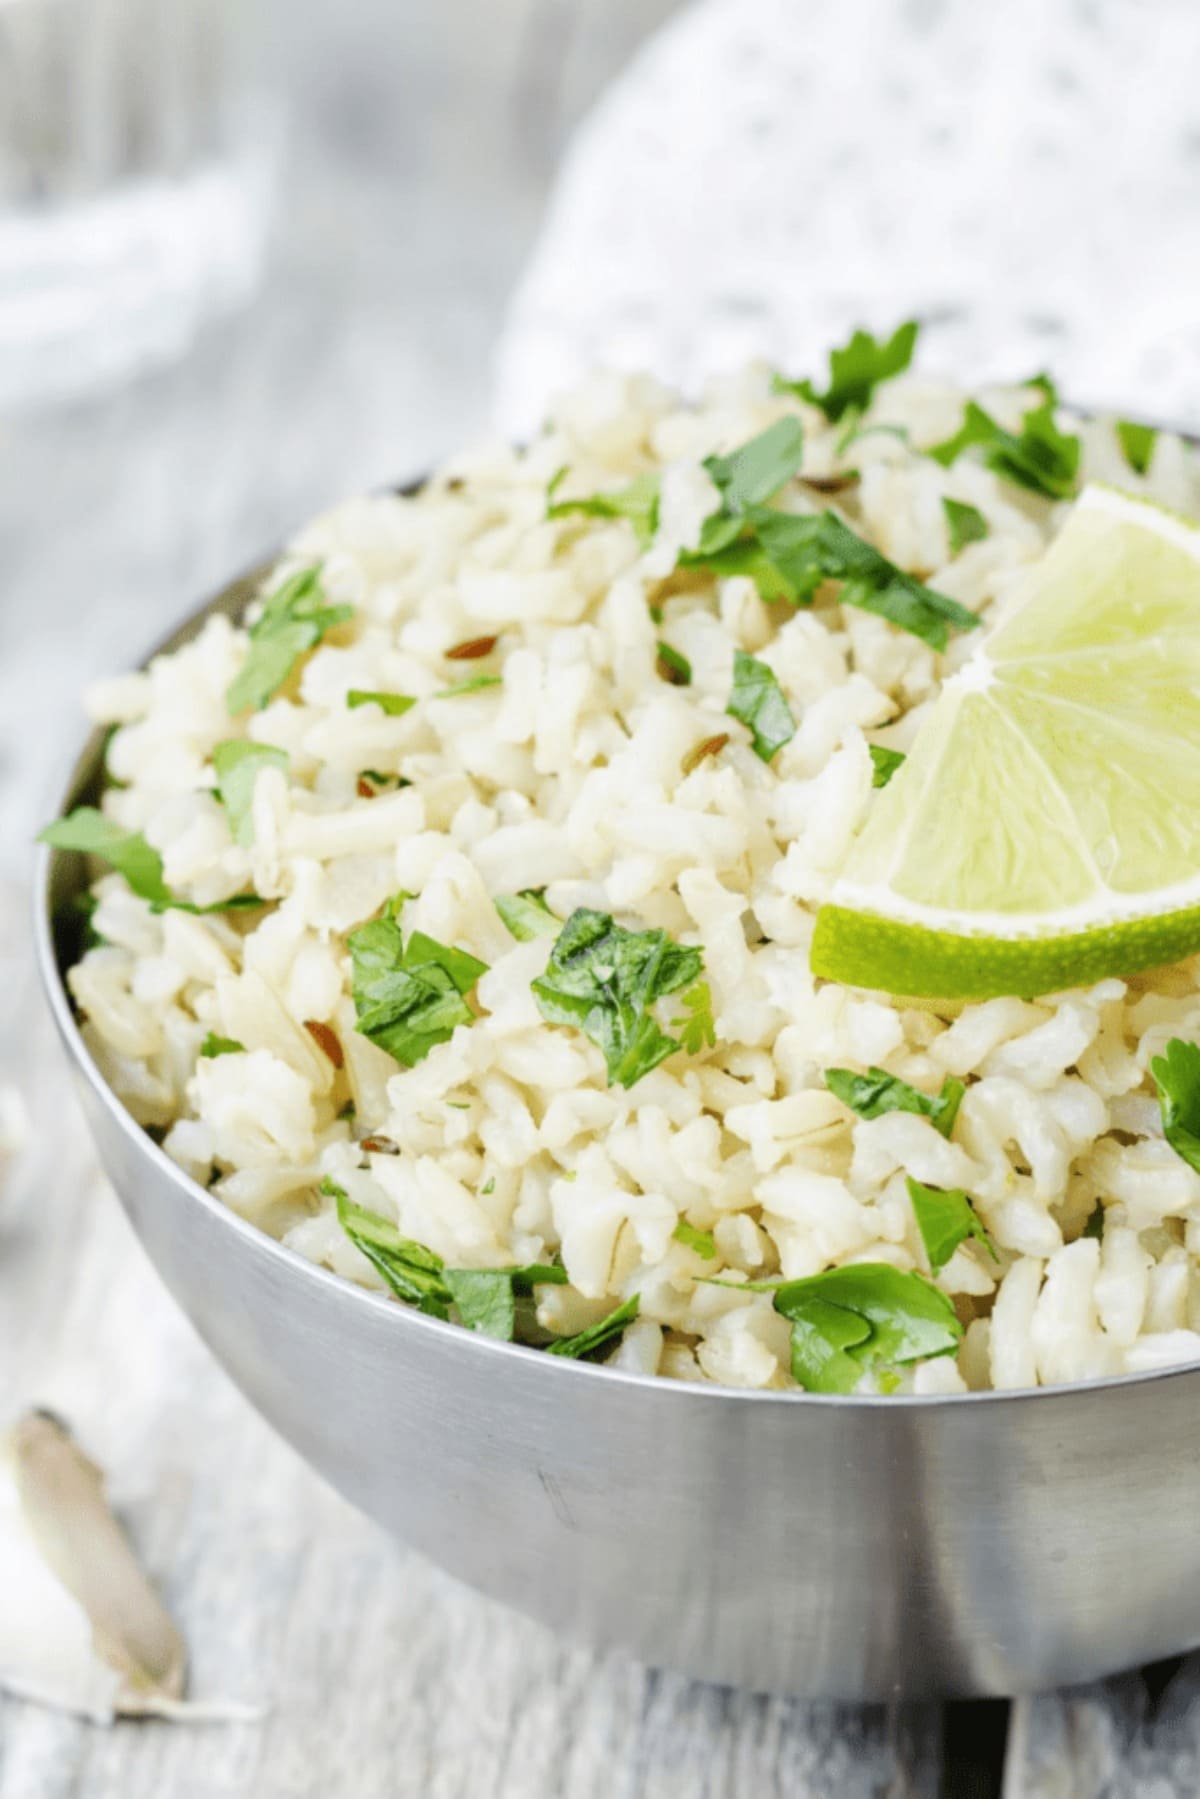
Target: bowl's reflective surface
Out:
[859,1548]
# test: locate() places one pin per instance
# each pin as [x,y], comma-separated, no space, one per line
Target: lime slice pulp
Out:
[1045,829]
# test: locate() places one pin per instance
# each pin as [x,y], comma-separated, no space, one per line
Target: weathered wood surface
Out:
[416,191]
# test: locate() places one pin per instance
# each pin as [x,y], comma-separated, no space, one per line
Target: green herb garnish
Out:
[945,1218]
[1137,443]
[597,1336]
[1095,1224]
[1039,456]
[394,704]
[673,667]
[221,1046]
[90,833]
[702,1242]
[486,1297]
[604,979]
[856,370]
[866,1315]
[854,433]
[876,1092]
[409,996]
[413,1272]
[238,764]
[695,1024]
[805,551]
[754,472]
[526,915]
[472,684]
[294,619]
[84,906]
[789,555]
[1177,1076]
[964,524]
[638,502]
[885,762]
[757,701]
[746,478]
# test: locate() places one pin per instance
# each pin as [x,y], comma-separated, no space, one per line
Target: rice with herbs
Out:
[555,751]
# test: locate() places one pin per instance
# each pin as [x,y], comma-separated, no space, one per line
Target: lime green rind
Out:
[862,949]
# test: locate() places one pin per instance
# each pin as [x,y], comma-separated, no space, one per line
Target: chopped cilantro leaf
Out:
[472,684]
[964,524]
[409,996]
[90,833]
[1039,456]
[394,704]
[789,555]
[756,470]
[673,667]
[294,619]
[885,763]
[945,1218]
[485,1298]
[413,1272]
[757,701]
[876,1092]
[743,555]
[597,1336]
[865,1315]
[745,478]
[695,1024]
[701,1241]
[807,550]
[1137,443]
[638,502]
[526,914]
[221,1046]
[604,979]
[856,370]
[854,433]
[1045,384]
[1177,1076]
[83,906]
[238,764]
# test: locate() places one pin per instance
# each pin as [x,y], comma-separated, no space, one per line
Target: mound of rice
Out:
[574,773]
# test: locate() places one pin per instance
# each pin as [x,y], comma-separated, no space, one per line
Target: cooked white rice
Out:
[512,1148]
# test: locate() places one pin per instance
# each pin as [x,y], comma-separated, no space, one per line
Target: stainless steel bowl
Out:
[858,1548]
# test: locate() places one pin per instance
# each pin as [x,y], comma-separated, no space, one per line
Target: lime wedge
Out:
[1044,831]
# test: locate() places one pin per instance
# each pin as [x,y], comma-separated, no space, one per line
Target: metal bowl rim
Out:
[402,1317]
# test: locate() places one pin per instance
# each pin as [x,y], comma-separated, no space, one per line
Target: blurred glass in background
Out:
[136,172]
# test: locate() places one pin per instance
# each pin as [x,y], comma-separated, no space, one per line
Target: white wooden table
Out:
[367,356]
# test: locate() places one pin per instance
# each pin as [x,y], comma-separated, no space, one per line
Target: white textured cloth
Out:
[768,172]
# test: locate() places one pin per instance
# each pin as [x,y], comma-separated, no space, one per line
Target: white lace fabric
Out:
[767,173]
